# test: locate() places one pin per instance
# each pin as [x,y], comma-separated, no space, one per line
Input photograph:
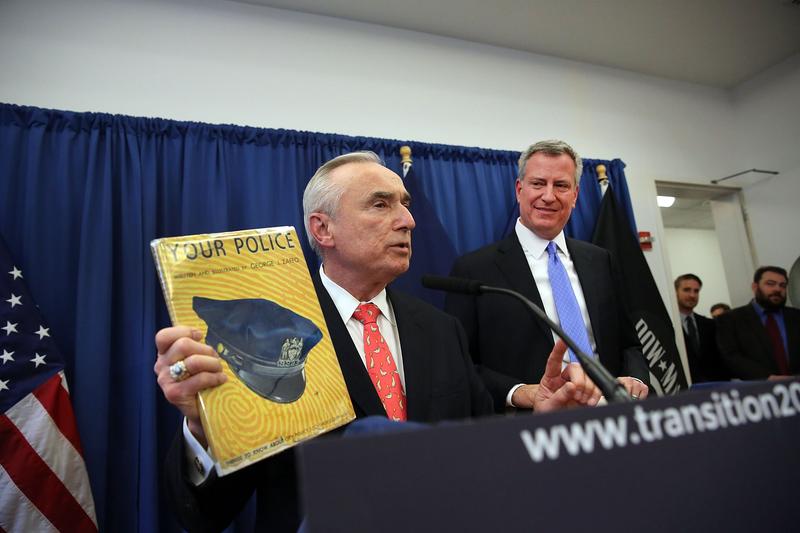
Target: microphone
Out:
[612,389]
[459,285]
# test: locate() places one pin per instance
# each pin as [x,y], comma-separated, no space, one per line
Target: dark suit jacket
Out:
[705,364]
[441,384]
[511,346]
[745,347]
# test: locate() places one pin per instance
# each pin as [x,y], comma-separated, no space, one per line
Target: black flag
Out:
[648,312]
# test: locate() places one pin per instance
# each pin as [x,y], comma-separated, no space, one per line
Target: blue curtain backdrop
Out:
[83,194]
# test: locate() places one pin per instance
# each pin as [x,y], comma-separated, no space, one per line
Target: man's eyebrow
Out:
[379,195]
[386,195]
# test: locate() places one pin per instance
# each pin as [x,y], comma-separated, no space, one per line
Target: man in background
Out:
[699,332]
[575,282]
[718,309]
[761,340]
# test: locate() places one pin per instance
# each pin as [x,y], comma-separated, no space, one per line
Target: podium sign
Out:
[715,460]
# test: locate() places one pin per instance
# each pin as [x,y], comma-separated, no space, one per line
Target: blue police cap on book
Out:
[266,345]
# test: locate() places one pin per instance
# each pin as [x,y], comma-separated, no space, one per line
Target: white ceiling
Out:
[718,43]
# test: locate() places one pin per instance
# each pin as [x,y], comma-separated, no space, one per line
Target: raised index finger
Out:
[555,359]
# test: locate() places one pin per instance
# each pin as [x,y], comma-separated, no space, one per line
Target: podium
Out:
[725,460]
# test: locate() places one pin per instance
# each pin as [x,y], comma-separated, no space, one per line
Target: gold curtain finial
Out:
[601,174]
[405,153]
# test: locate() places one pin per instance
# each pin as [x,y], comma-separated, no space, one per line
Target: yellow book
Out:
[251,295]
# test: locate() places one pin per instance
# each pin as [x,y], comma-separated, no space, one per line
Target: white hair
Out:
[323,195]
[551,147]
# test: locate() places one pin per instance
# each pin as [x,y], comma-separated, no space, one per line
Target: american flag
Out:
[43,480]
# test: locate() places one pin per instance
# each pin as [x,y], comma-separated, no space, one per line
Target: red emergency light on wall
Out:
[645,240]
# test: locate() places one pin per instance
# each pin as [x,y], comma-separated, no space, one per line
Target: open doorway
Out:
[705,233]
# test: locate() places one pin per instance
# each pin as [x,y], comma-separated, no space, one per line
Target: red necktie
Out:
[380,363]
[778,351]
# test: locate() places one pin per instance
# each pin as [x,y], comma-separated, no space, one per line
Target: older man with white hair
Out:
[358,220]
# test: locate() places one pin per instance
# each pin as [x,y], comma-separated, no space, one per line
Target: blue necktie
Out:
[569,313]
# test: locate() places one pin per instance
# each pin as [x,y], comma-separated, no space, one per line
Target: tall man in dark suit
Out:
[699,333]
[575,282]
[761,340]
[358,221]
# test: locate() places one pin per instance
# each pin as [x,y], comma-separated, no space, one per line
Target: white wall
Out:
[697,251]
[731,232]
[225,62]
[767,111]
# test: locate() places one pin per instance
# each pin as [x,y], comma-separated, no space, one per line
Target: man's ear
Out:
[319,224]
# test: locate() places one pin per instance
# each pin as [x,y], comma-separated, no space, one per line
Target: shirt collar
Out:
[346,303]
[534,245]
[762,313]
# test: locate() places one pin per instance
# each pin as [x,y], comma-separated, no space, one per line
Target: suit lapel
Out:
[359,385]
[416,356]
[754,324]
[513,265]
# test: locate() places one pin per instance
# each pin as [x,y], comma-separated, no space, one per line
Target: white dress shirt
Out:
[346,304]
[535,249]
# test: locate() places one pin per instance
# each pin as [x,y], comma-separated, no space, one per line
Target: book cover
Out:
[251,295]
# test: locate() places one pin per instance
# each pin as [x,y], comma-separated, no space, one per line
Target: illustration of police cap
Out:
[266,345]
